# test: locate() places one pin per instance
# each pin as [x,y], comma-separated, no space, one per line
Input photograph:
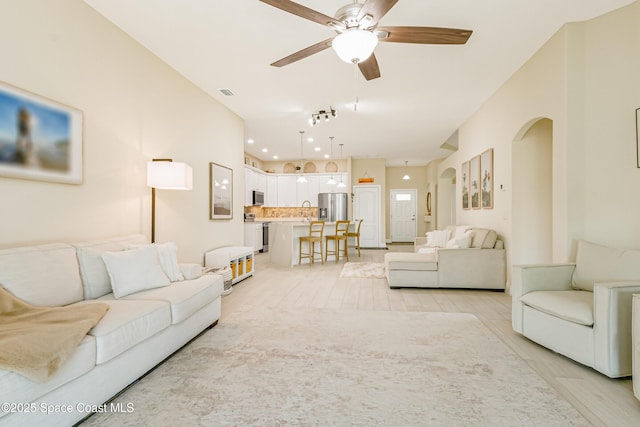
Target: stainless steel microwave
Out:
[258,198]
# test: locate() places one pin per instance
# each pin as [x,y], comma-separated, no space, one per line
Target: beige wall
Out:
[585,81]
[135,108]
[418,181]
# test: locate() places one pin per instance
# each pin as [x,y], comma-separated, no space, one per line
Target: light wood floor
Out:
[601,400]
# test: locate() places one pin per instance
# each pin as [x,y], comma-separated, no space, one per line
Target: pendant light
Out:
[341,184]
[331,180]
[301,178]
[406,176]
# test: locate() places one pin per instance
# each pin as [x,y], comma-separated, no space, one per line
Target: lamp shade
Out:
[169,175]
[354,46]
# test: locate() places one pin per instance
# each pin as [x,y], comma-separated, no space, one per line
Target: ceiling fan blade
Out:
[376,8]
[305,12]
[424,35]
[369,68]
[301,54]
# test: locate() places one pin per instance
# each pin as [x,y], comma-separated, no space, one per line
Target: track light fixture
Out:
[325,115]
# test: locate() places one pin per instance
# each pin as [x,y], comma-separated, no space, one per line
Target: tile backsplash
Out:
[298,212]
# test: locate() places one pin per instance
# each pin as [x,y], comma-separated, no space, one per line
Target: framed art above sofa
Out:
[40,139]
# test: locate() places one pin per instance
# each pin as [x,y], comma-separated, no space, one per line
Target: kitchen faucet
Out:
[309,209]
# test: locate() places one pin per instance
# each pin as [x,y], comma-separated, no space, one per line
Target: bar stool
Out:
[316,229]
[342,227]
[356,234]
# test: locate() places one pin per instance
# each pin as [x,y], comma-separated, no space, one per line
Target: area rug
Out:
[343,368]
[372,270]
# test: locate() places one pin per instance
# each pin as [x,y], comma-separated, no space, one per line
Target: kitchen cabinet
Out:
[287,197]
[271,195]
[253,181]
[307,191]
[253,235]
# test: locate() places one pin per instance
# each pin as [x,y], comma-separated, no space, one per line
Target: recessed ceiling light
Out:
[309,139]
[275,157]
[317,149]
[326,156]
[250,141]
[264,150]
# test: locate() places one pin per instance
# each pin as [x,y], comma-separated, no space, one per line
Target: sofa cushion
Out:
[45,275]
[574,306]
[410,261]
[134,270]
[596,264]
[126,324]
[17,388]
[483,238]
[95,278]
[186,297]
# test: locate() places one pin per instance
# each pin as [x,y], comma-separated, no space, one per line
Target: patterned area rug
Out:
[373,270]
[344,368]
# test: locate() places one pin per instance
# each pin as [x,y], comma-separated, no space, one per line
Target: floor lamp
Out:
[165,174]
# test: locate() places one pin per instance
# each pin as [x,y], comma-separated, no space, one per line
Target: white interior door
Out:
[366,206]
[403,212]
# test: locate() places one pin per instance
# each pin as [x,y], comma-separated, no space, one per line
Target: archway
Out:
[532,201]
[446,206]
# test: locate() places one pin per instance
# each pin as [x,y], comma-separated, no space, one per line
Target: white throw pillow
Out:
[134,270]
[438,238]
[168,255]
[462,242]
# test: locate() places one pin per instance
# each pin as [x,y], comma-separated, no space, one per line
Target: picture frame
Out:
[486,179]
[474,182]
[638,137]
[40,139]
[220,192]
[464,179]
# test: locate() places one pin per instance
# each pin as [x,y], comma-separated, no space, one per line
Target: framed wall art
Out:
[464,174]
[220,192]
[40,139]
[474,182]
[486,179]
[638,137]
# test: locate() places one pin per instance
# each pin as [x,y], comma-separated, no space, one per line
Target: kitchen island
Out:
[284,242]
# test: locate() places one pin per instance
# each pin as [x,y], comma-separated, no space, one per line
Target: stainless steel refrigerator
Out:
[332,206]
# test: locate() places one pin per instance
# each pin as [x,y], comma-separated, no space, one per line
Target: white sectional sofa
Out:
[481,264]
[582,310]
[139,330]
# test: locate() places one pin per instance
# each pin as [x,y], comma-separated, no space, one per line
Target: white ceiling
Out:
[425,93]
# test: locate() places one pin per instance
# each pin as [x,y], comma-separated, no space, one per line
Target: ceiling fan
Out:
[359,33]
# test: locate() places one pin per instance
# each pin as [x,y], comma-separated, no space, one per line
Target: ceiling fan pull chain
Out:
[355,86]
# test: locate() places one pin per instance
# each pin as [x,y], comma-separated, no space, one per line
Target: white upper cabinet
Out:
[271,195]
[307,190]
[287,191]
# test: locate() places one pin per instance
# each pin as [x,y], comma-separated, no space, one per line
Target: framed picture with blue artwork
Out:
[40,139]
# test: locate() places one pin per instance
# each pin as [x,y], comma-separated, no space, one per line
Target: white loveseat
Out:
[138,331]
[581,310]
[480,264]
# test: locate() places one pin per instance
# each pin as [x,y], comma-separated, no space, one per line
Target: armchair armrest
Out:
[612,327]
[536,277]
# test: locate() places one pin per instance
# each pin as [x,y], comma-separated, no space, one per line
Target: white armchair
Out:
[581,310]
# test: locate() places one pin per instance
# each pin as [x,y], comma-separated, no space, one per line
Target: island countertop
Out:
[284,237]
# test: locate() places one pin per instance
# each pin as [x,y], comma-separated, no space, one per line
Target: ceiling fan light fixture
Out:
[354,45]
